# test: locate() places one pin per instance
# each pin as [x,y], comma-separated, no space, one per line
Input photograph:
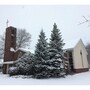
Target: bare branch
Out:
[86,20]
[82,23]
[23,38]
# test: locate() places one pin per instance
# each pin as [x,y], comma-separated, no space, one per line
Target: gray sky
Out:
[35,17]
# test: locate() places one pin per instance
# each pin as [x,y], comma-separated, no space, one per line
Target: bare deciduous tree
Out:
[23,38]
[2,43]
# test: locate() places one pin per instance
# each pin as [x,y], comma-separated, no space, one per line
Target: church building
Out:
[75,55]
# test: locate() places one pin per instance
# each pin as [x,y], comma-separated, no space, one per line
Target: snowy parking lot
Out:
[77,79]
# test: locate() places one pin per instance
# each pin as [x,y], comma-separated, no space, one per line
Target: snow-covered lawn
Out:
[77,79]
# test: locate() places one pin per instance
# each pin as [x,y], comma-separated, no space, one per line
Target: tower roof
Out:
[11,27]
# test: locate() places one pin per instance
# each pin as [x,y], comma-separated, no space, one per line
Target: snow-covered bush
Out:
[13,71]
[24,64]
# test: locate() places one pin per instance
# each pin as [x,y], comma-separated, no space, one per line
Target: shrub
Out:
[13,71]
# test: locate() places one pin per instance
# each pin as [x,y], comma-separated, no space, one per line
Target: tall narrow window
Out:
[81,58]
[12,38]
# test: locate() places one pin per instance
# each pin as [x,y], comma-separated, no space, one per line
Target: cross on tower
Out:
[7,23]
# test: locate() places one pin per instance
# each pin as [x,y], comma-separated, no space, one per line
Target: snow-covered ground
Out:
[77,79]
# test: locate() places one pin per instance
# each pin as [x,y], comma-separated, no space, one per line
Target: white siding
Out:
[80,61]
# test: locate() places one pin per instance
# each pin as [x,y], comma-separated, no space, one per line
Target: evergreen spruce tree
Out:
[56,52]
[41,52]
[56,42]
[41,56]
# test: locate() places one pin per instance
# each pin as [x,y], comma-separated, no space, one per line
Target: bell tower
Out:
[10,46]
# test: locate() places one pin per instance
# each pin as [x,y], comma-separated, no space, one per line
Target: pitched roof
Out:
[26,50]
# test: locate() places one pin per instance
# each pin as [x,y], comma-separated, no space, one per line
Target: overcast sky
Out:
[35,17]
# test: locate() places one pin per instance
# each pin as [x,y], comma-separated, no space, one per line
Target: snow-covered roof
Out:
[26,50]
[70,44]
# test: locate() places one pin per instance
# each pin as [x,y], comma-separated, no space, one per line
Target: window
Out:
[12,31]
[80,52]
[12,40]
[12,37]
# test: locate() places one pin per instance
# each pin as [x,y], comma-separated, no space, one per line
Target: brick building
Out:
[10,47]
[10,52]
[75,55]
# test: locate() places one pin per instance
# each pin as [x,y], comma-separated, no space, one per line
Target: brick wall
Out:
[10,42]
